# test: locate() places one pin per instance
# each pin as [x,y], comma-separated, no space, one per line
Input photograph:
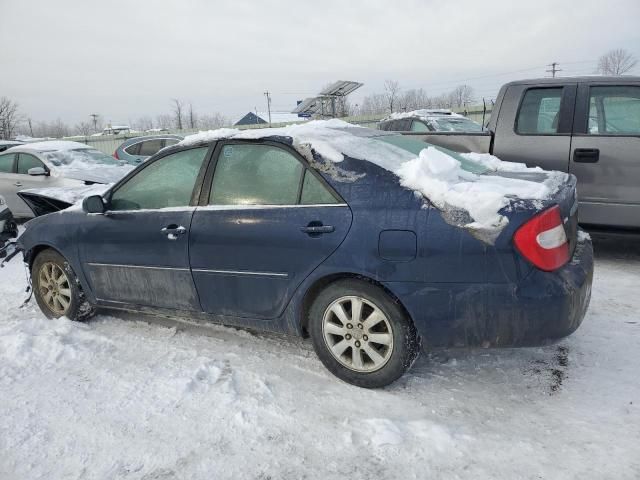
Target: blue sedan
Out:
[311,231]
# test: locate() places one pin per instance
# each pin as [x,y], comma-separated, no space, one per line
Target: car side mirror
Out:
[37,171]
[93,204]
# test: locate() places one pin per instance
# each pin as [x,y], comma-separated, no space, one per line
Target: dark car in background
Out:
[429,120]
[137,150]
[276,230]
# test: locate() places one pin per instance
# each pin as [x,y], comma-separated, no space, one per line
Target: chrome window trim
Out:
[260,207]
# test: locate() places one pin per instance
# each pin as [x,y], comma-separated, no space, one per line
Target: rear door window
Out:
[248,174]
[26,162]
[6,162]
[314,192]
[150,147]
[419,126]
[170,141]
[539,112]
[133,149]
[614,110]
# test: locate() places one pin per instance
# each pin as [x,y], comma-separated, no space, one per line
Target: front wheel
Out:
[361,334]
[57,289]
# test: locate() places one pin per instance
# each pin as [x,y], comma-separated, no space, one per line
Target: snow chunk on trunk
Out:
[441,179]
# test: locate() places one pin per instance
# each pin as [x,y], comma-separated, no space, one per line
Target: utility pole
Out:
[554,69]
[95,121]
[267,94]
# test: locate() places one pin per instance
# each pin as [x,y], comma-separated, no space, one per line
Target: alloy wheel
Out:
[357,333]
[54,287]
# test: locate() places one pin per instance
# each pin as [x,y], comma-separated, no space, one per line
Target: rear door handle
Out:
[172,231]
[586,155]
[18,184]
[315,229]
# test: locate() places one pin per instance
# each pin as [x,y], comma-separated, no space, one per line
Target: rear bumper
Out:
[542,308]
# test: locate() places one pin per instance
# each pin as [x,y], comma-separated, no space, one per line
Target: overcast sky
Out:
[126,59]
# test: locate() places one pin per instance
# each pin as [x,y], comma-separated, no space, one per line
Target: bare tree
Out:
[461,96]
[143,123]
[55,129]
[413,99]
[213,121]
[392,90]
[164,121]
[374,104]
[83,128]
[9,117]
[192,117]
[177,113]
[616,62]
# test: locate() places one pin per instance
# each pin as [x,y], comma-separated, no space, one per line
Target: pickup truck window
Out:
[539,112]
[614,110]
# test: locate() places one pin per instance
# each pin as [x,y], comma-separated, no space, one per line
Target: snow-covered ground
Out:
[121,397]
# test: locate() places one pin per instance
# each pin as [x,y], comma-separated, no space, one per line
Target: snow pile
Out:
[438,176]
[441,179]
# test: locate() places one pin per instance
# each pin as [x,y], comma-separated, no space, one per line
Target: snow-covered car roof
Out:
[10,142]
[52,146]
[424,113]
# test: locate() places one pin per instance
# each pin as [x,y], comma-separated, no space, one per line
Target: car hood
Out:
[99,174]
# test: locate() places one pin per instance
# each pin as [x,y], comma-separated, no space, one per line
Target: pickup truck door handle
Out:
[18,184]
[172,231]
[586,155]
[315,229]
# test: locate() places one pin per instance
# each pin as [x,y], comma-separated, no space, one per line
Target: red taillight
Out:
[115,155]
[542,240]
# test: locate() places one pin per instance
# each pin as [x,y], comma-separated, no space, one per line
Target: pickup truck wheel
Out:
[361,334]
[57,289]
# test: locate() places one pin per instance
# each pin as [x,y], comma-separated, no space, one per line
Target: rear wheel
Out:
[361,334]
[57,289]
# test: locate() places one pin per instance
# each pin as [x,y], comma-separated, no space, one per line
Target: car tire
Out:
[57,289]
[361,334]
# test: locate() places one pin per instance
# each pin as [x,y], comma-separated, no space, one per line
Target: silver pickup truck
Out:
[588,126]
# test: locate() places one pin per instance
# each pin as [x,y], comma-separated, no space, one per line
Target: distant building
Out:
[252,118]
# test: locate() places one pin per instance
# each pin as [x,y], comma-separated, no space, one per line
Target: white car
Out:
[53,164]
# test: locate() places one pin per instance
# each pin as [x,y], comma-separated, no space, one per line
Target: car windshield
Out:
[415,146]
[454,124]
[61,158]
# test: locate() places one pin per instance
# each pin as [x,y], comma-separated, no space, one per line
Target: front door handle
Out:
[18,184]
[586,155]
[315,229]
[172,231]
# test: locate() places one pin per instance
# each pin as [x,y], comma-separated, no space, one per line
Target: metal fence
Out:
[109,143]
